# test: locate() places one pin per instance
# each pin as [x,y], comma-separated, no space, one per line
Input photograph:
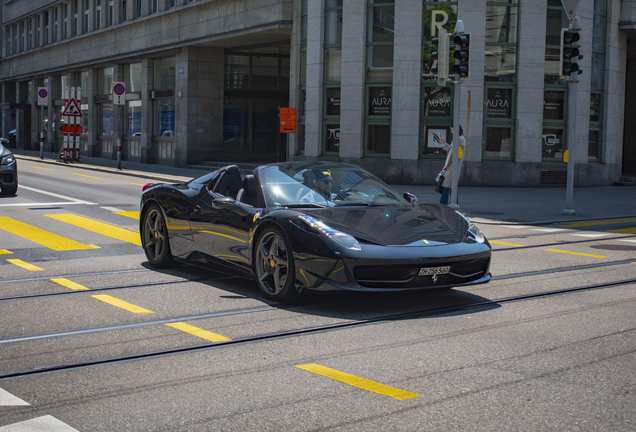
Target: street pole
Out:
[455,157]
[569,195]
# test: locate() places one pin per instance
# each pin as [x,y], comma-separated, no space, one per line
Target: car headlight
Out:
[8,160]
[338,236]
[473,232]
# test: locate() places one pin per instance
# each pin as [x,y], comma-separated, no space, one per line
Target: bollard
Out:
[118,154]
[41,145]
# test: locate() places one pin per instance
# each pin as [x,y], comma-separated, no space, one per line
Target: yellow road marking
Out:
[576,253]
[507,244]
[122,304]
[37,235]
[25,265]
[198,332]
[358,382]
[5,252]
[47,169]
[624,231]
[224,235]
[593,223]
[84,175]
[136,184]
[99,227]
[69,284]
[130,214]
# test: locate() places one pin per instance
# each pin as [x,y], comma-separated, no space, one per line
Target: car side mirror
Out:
[411,198]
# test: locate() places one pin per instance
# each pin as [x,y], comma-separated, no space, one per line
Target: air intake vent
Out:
[554,178]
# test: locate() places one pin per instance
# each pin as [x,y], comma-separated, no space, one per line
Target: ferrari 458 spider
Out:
[304,225]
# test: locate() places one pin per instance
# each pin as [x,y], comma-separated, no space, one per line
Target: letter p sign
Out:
[436,21]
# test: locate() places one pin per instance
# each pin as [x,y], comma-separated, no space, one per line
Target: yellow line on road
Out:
[624,231]
[130,214]
[122,304]
[84,175]
[594,223]
[507,244]
[5,252]
[136,184]
[576,253]
[47,169]
[198,332]
[99,227]
[69,284]
[25,265]
[358,382]
[37,235]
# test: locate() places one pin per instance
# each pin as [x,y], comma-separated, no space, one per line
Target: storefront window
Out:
[164,117]
[164,73]
[105,81]
[106,119]
[133,118]
[264,72]
[380,30]
[132,77]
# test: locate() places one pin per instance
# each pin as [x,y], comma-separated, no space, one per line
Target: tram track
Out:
[302,331]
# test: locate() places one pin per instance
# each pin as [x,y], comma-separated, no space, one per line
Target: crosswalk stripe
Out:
[130,214]
[590,235]
[46,423]
[40,236]
[624,231]
[547,230]
[5,252]
[122,304]
[25,265]
[7,399]
[355,381]
[198,332]
[602,222]
[69,284]
[112,209]
[99,227]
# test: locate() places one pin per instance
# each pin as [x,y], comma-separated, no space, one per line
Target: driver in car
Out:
[322,188]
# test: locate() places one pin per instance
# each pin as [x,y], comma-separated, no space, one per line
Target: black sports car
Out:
[320,226]
[8,170]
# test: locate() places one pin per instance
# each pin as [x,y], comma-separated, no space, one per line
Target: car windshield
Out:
[325,185]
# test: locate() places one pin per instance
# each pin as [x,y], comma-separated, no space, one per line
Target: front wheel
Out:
[154,238]
[274,266]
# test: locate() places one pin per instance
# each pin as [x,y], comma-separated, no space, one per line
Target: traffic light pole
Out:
[455,156]
[569,195]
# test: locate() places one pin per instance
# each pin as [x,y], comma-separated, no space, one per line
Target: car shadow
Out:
[347,305]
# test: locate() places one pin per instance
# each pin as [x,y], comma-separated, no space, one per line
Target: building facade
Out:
[205,79]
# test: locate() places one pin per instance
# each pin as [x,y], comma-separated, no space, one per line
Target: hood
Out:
[396,226]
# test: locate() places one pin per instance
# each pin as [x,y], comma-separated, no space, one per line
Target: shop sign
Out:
[380,101]
[553,105]
[499,102]
[333,101]
[437,102]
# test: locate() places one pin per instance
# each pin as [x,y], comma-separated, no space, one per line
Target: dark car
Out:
[8,170]
[357,234]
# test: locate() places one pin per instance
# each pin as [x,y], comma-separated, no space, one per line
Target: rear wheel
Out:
[154,238]
[274,266]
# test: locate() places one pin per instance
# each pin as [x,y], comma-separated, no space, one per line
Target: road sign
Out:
[43,95]
[72,109]
[119,93]
[70,128]
[570,7]
[288,120]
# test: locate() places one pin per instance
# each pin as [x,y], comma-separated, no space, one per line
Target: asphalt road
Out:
[92,339]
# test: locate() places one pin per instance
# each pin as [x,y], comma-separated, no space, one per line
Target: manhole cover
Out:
[615,247]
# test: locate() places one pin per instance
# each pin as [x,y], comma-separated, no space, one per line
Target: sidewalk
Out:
[537,206]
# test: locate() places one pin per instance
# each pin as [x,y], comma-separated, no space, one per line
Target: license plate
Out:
[430,271]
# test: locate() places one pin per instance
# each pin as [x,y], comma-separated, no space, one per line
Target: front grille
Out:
[406,276]
[7,178]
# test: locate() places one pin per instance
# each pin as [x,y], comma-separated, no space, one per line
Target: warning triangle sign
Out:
[72,109]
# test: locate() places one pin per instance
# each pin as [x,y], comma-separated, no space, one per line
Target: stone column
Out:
[294,80]
[147,83]
[353,79]
[530,73]
[92,120]
[315,73]
[407,60]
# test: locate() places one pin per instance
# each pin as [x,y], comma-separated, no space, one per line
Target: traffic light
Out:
[569,53]
[462,55]
[442,55]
